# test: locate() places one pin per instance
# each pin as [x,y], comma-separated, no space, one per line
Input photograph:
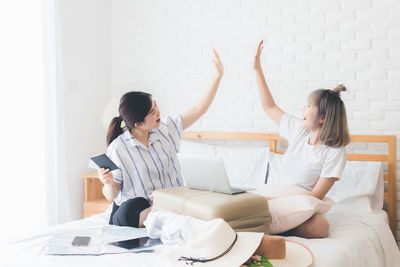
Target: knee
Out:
[316,227]
[136,204]
[319,228]
[128,214]
[135,207]
[323,230]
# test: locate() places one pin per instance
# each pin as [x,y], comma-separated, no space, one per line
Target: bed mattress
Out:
[355,240]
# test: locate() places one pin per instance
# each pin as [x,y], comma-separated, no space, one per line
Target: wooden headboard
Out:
[390,158]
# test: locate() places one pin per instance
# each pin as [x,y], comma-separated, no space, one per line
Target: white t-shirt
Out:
[144,169]
[303,164]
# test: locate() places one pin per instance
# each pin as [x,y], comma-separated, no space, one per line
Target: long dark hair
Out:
[133,107]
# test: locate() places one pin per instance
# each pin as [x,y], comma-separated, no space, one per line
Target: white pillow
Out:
[290,207]
[291,211]
[377,199]
[274,163]
[246,167]
[360,188]
[278,190]
[197,149]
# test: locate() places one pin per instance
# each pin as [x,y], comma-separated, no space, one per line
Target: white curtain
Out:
[29,112]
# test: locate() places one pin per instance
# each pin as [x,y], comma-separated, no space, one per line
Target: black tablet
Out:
[102,161]
[142,242]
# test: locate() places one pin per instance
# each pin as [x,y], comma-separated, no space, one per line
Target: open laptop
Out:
[206,173]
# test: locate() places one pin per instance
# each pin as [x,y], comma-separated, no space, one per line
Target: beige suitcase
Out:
[245,212]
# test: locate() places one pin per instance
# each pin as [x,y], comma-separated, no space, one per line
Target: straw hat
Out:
[216,244]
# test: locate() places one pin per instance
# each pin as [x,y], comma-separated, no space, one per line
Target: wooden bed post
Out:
[272,145]
[392,160]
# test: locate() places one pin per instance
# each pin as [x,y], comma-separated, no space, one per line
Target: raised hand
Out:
[194,113]
[267,101]
[257,63]
[218,64]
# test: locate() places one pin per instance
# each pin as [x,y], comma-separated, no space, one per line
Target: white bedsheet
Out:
[362,239]
[354,240]
[29,251]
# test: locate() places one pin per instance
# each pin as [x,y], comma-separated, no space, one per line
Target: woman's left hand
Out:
[218,64]
[257,63]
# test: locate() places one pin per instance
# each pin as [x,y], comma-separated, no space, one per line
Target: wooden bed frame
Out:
[273,139]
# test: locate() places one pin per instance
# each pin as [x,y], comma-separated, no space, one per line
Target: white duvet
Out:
[355,240]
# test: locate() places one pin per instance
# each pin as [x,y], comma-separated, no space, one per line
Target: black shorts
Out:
[128,213]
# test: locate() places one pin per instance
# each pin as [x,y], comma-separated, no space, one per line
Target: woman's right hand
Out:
[257,63]
[105,176]
[194,113]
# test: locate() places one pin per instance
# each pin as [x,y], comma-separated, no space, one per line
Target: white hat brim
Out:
[297,255]
[245,246]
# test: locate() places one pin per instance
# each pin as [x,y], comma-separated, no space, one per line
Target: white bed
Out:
[361,238]
[29,251]
[354,240]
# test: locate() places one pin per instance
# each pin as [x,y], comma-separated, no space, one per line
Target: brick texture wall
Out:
[164,47]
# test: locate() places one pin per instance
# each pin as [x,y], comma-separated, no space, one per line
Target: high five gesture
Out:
[267,101]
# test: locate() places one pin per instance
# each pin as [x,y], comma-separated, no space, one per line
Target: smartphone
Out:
[141,242]
[81,241]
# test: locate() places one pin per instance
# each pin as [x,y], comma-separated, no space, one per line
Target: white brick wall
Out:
[164,47]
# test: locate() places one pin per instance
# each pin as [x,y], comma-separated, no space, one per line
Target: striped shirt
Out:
[144,169]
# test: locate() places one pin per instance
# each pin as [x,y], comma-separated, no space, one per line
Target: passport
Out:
[102,161]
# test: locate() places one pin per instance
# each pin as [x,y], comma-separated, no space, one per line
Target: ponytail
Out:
[339,88]
[114,130]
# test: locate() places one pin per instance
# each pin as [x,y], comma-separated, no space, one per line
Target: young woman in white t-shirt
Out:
[144,148]
[315,157]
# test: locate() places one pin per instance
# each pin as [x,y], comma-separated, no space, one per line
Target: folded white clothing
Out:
[170,227]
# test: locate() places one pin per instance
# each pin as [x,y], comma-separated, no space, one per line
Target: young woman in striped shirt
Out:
[145,150]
